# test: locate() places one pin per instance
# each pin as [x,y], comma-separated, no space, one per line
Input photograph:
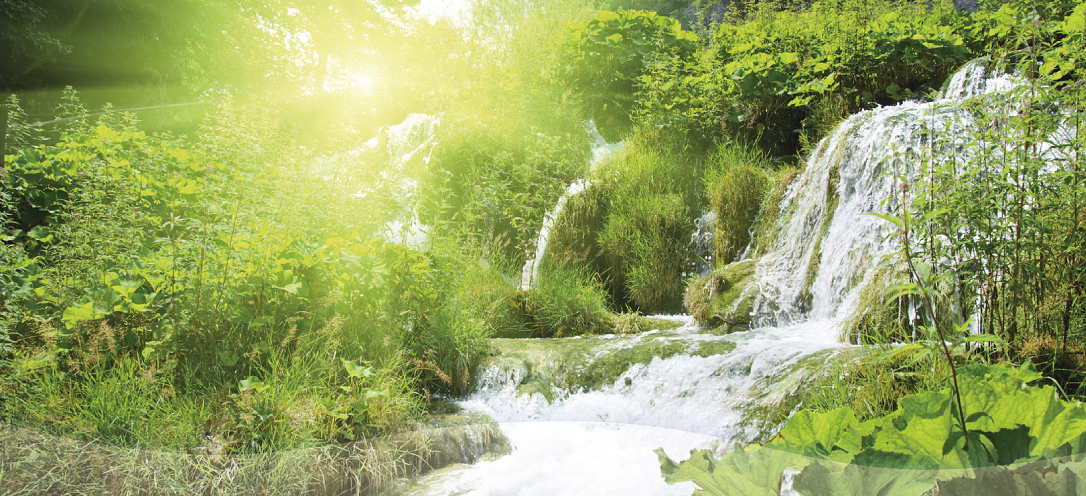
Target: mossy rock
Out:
[632,323]
[549,366]
[710,348]
[719,300]
[725,329]
[661,324]
[605,369]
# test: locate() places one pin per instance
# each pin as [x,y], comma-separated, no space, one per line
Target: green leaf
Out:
[354,369]
[818,434]
[890,218]
[73,315]
[823,478]
[753,470]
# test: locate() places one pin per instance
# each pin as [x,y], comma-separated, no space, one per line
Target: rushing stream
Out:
[584,414]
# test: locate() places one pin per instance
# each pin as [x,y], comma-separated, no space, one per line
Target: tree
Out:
[33,32]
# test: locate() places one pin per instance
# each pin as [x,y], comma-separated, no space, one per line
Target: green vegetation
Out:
[591,363]
[607,56]
[735,186]
[235,291]
[995,219]
[720,297]
[130,264]
[1010,423]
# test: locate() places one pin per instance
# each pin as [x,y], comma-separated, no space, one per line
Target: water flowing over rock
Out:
[601,150]
[582,413]
[701,243]
[828,244]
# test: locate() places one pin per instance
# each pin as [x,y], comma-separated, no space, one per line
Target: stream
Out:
[584,414]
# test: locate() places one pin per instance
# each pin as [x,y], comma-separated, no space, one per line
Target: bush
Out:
[231,275]
[567,302]
[651,193]
[735,184]
[605,58]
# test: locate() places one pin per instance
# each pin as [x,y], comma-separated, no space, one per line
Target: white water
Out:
[402,152]
[600,441]
[601,150]
[870,153]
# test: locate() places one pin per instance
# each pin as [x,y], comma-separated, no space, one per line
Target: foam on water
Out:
[573,458]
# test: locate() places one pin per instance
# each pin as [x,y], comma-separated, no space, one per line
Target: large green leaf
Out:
[752,471]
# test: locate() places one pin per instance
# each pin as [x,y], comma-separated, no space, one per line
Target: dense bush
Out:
[497,178]
[605,57]
[735,183]
[783,78]
[634,224]
[253,293]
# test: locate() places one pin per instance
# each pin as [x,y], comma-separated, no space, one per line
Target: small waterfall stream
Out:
[685,388]
[405,148]
[601,150]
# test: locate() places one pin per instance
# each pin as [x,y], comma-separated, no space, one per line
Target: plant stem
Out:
[925,293]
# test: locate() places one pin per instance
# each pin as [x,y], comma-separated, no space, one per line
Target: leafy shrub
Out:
[202,268]
[652,192]
[496,179]
[1008,423]
[567,302]
[778,64]
[605,57]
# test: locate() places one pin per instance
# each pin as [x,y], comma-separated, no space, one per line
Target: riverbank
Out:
[36,463]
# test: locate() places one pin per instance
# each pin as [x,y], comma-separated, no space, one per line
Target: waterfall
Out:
[601,150]
[393,159]
[685,388]
[701,243]
[829,244]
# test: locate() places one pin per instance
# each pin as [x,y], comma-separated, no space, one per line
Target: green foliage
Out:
[1009,210]
[229,267]
[496,179]
[567,302]
[735,185]
[783,69]
[651,193]
[720,298]
[1013,423]
[871,388]
[605,57]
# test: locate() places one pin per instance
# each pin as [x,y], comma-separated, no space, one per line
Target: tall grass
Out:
[736,184]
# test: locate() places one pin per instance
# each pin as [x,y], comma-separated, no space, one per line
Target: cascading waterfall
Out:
[601,150]
[571,439]
[701,243]
[405,148]
[828,232]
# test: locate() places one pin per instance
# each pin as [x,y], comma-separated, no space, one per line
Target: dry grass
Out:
[36,463]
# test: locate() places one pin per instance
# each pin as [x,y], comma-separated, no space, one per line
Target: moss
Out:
[782,394]
[605,369]
[874,318]
[719,298]
[537,384]
[832,199]
[725,329]
[438,407]
[649,323]
[711,348]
